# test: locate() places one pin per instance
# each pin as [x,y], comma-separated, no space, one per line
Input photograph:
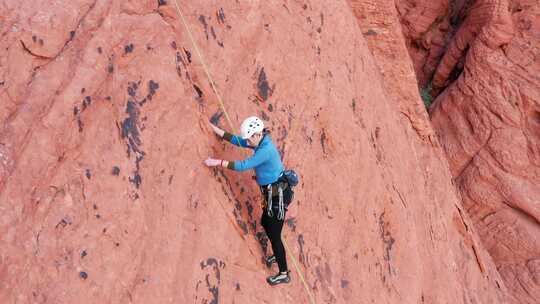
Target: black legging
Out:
[272,226]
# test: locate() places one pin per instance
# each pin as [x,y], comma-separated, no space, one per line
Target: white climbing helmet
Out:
[250,126]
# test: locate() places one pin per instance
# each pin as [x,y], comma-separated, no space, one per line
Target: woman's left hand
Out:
[211,162]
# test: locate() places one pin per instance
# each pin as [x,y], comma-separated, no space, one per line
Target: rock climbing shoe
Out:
[270,260]
[279,278]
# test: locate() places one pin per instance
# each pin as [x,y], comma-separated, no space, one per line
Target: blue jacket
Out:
[266,160]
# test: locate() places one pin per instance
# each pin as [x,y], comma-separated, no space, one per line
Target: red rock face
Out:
[487,119]
[427,26]
[104,197]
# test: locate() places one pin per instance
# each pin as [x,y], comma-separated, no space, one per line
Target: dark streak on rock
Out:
[220,16]
[132,89]
[240,222]
[323,140]
[263,240]
[262,84]
[128,48]
[249,209]
[63,223]
[264,116]
[130,128]
[178,61]
[152,87]
[188,55]
[388,240]
[326,276]
[301,245]
[370,32]
[237,214]
[198,90]
[86,102]
[202,20]
[291,222]
[80,123]
[213,288]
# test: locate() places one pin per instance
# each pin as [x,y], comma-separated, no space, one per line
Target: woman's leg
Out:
[265,222]
[274,234]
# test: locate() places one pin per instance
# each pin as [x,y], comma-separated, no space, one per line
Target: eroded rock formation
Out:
[488,120]
[104,197]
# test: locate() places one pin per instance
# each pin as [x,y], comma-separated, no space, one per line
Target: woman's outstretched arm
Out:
[217,130]
[233,139]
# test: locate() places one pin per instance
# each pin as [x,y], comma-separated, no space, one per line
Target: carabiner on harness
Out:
[281,212]
[281,205]
[269,201]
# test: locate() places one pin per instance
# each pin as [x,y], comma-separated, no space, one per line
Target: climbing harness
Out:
[186,26]
[280,186]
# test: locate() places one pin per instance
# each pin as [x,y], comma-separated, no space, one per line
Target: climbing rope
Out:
[206,70]
[203,63]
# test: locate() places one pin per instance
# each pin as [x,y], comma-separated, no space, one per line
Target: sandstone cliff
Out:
[104,197]
[483,56]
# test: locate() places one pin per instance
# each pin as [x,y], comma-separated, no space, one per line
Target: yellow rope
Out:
[308,291]
[203,64]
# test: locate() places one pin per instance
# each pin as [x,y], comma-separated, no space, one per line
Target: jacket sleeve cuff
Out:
[227,136]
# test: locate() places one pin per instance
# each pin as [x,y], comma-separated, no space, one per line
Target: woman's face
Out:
[254,139]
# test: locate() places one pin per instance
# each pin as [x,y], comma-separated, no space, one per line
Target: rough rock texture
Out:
[488,121]
[104,198]
[427,26]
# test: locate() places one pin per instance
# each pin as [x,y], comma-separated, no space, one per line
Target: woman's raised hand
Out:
[217,130]
[211,162]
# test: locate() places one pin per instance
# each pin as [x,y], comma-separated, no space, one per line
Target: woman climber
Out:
[269,171]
